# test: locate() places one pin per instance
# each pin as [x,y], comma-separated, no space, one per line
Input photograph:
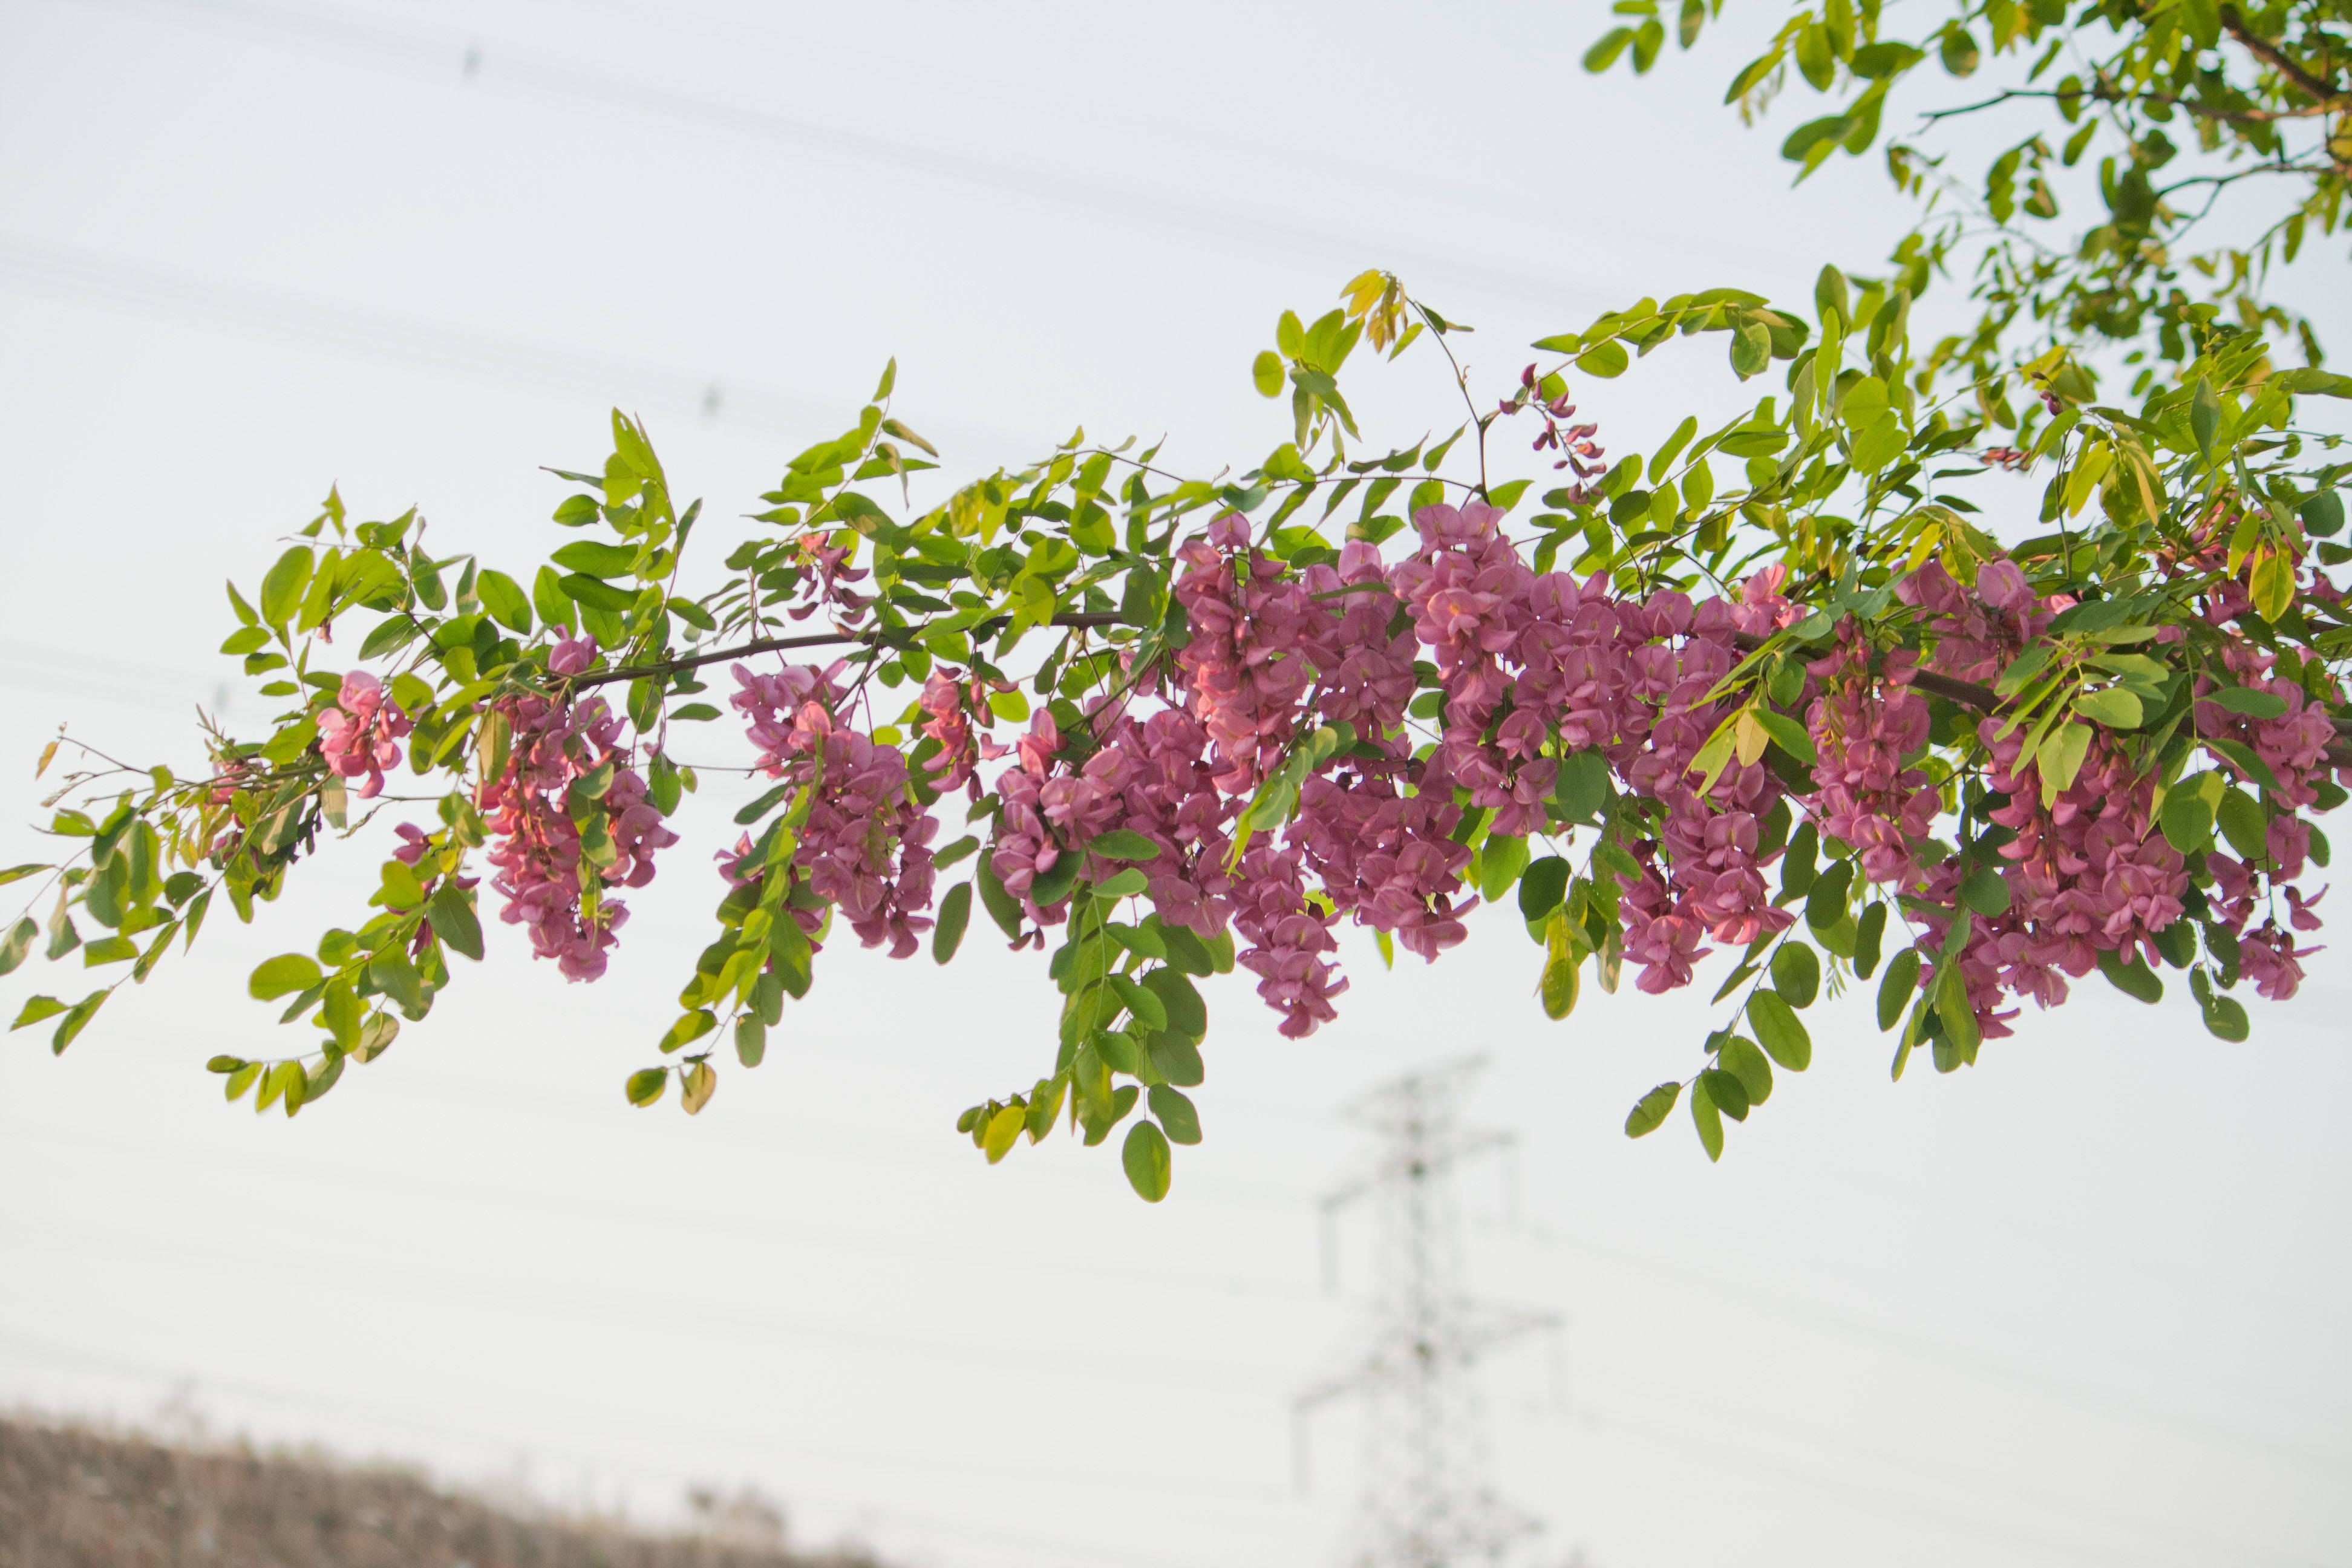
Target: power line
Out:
[1921,1347]
[760,1324]
[339,327]
[1777,1429]
[473,62]
[402,1418]
[183,1157]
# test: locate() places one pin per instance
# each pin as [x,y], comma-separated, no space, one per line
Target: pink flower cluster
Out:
[2293,745]
[2092,873]
[864,846]
[1530,667]
[360,736]
[1863,726]
[537,850]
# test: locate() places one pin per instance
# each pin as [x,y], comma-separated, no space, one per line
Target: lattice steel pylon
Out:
[1427,1499]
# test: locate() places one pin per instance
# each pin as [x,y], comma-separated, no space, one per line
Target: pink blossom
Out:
[360,736]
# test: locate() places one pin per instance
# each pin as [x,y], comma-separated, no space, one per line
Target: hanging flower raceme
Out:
[864,843]
[1864,724]
[551,875]
[359,736]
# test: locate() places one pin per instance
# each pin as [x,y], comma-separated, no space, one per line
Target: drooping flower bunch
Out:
[551,878]
[2293,745]
[1865,726]
[1529,665]
[2087,869]
[360,736]
[864,846]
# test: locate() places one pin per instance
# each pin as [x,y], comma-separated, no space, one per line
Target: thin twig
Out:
[819,640]
[2263,49]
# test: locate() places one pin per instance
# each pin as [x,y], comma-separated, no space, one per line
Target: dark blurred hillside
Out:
[74,1497]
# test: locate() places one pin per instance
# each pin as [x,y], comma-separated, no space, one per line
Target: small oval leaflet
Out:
[1780,1031]
[1796,973]
[1652,1110]
[1145,1155]
[1124,844]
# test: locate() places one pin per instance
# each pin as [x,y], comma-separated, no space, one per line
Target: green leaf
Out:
[36,1009]
[645,1087]
[596,595]
[397,977]
[1604,54]
[1127,884]
[1176,1114]
[2114,708]
[1605,360]
[504,598]
[1558,986]
[451,911]
[1001,905]
[2204,416]
[553,605]
[1743,1061]
[1780,1031]
[1812,134]
[2188,812]
[2244,825]
[1791,735]
[281,591]
[2242,757]
[2241,700]
[1796,973]
[955,913]
[1869,932]
[2135,979]
[1146,1157]
[82,1012]
[1825,900]
[1188,1015]
[1123,843]
[1707,1118]
[595,560]
[2060,759]
[1652,1110]
[1542,888]
[282,976]
[2225,1019]
[1985,891]
[1731,1095]
[18,943]
[1895,992]
[1751,350]
[1265,374]
[1500,860]
[1581,791]
[1952,1007]
[1149,1010]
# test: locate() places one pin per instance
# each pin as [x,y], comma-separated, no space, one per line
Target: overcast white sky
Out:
[2082,1305]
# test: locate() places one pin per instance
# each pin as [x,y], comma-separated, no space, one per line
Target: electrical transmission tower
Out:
[1428,1501]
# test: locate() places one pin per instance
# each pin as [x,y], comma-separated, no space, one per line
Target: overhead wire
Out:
[321,324]
[1849,1327]
[1776,1433]
[472,61]
[403,1418]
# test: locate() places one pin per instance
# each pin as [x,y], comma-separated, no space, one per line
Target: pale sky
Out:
[2081,1305]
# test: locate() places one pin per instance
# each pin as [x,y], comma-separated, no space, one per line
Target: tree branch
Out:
[815,639]
[2263,49]
[1985,700]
